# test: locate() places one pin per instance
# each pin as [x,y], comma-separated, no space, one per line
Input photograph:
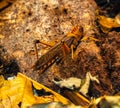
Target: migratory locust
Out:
[67,45]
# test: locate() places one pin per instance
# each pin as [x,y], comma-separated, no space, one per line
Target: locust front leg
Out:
[77,33]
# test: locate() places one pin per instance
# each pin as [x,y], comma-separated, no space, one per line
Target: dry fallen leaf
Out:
[106,101]
[19,91]
[107,24]
[1,80]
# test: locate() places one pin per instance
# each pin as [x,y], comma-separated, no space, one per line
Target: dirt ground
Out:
[27,20]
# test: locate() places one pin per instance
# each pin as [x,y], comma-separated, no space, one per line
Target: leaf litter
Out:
[100,58]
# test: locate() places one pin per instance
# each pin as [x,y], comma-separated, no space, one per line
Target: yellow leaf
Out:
[105,101]
[12,89]
[107,23]
[1,80]
[117,18]
[19,90]
[35,99]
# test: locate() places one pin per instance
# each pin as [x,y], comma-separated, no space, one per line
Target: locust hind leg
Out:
[50,44]
[36,50]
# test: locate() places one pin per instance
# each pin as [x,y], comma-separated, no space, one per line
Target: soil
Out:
[20,25]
